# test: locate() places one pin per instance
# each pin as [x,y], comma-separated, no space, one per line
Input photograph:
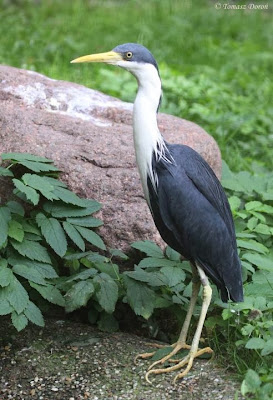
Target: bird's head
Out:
[133,57]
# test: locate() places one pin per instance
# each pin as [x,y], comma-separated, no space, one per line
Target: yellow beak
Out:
[110,57]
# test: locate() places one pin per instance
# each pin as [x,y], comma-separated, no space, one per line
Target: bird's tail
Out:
[233,284]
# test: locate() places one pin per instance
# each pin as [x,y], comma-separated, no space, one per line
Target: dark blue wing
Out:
[192,214]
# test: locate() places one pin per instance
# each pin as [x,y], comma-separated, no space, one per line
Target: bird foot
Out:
[186,361]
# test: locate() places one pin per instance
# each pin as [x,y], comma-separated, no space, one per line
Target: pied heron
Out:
[187,202]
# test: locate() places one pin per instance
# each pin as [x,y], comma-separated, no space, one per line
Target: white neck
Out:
[147,138]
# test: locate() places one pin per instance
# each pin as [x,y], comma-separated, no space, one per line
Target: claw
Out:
[143,356]
[186,370]
[188,360]
[168,357]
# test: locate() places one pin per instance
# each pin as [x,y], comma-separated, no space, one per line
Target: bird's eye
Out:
[129,55]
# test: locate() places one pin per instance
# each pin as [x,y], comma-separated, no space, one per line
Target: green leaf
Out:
[6,275]
[5,307]
[55,182]
[91,237]
[79,295]
[29,273]
[60,210]
[30,193]
[160,353]
[258,215]
[78,256]
[30,228]
[118,253]
[229,179]
[32,250]
[108,323]
[24,157]
[234,203]
[74,235]
[88,222]
[255,289]
[265,208]
[5,172]
[255,343]
[263,277]
[4,219]
[152,278]
[268,348]
[33,313]
[244,235]
[96,257]
[83,275]
[53,233]
[108,293]
[38,166]
[172,254]
[260,261]
[108,268]
[253,205]
[248,266]
[151,262]
[16,208]
[19,321]
[252,223]
[46,270]
[251,382]
[140,297]
[50,293]
[67,196]
[174,275]
[15,230]
[39,183]
[32,237]
[263,229]
[17,295]
[149,248]
[252,245]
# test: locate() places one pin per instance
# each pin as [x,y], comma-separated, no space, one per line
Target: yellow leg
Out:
[181,343]
[194,351]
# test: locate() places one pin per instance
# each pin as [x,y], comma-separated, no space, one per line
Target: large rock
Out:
[89,136]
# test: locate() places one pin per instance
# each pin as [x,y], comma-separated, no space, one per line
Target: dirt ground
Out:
[72,361]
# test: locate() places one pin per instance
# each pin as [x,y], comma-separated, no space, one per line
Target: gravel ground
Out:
[71,361]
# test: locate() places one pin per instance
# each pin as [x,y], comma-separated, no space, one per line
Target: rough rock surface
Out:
[89,137]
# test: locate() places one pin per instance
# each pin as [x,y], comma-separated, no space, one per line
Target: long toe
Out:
[185,362]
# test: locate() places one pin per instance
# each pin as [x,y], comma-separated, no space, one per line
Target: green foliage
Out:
[249,325]
[217,75]
[40,224]
[156,282]
[220,107]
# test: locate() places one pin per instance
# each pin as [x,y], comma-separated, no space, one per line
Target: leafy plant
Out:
[249,325]
[38,225]
[42,225]
[218,106]
[157,282]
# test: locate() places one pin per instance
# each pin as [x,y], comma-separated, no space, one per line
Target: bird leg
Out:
[181,343]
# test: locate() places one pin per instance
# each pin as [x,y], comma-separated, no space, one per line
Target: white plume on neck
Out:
[147,137]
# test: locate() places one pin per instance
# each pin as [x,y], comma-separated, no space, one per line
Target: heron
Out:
[187,202]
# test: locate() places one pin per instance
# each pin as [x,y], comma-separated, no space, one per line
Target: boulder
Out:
[89,137]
